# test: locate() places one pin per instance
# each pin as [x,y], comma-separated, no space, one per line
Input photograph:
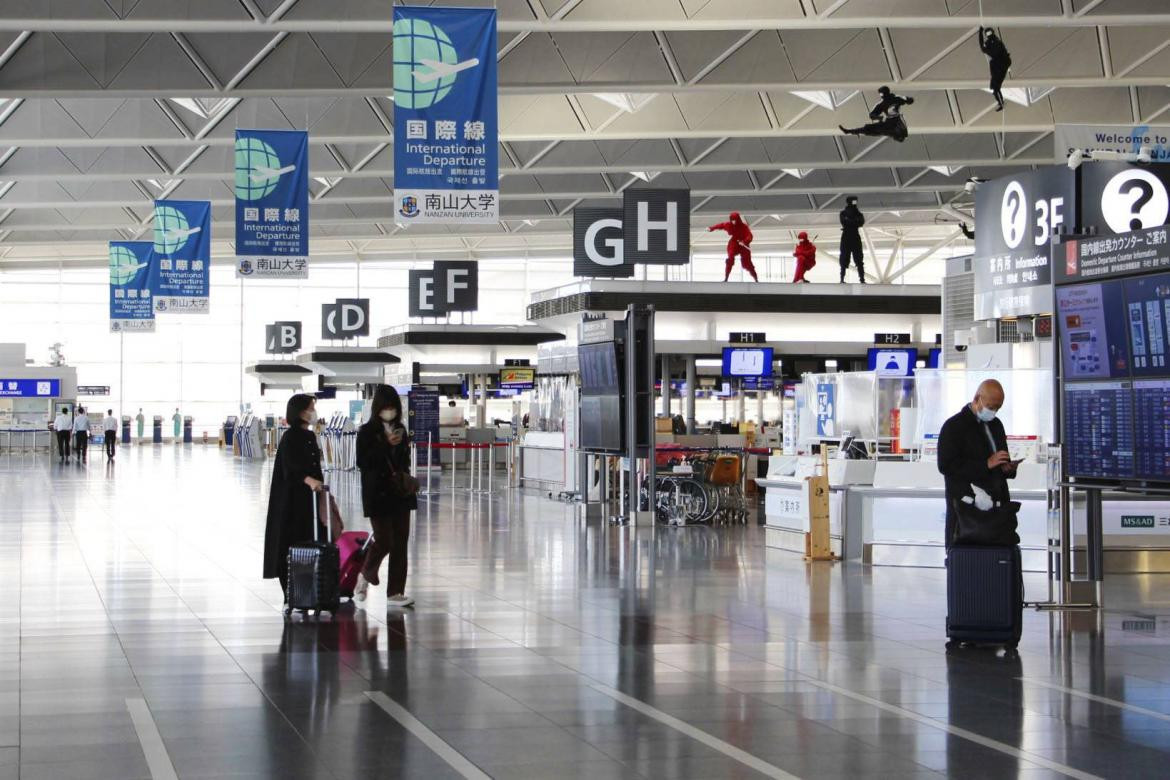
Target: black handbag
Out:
[993,527]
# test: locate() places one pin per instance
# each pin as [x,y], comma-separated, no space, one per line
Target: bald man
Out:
[972,450]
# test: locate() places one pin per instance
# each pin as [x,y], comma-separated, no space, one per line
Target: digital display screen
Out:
[517,378]
[1148,313]
[893,362]
[598,366]
[1099,430]
[1151,399]
[1094,334]
[740,361]
[934,358]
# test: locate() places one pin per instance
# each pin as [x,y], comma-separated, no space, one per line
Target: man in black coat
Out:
[852,220]
[972,450]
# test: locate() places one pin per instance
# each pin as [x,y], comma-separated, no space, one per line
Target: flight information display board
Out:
[1099,431]
[1152,435]
[1115,360]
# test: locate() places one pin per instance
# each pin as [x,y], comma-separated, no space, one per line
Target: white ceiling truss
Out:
[106,105]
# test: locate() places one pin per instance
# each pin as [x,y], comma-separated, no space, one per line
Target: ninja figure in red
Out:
[806,257]
[739,243]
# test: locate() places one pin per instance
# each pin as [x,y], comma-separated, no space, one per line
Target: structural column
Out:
[665,385]
[691,382]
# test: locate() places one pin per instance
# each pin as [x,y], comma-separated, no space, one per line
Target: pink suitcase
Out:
[352,548]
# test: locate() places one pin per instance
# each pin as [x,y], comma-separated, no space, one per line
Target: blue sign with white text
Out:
[30,388]
[272,204]
[446,152]
[826,409]
[131,304]
[181,273]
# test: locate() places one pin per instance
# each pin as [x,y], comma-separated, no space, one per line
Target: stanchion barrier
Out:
[475,478]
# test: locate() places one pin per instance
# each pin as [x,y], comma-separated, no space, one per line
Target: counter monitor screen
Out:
[892,362]
[1148,313]
[1151,400]
[743,361]
[1099,430]
[598,366]
[1094,331]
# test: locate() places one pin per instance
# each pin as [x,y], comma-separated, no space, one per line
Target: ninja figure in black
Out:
[998,60]
[886,116]
[852,221]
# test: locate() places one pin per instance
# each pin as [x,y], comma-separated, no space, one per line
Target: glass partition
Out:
[1028,400]
[836,405]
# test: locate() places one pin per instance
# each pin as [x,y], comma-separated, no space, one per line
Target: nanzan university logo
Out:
[409,206]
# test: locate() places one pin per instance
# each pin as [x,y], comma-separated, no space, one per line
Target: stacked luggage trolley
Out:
[699,486]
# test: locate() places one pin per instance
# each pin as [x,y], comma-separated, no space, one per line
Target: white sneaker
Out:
[400,600]
[361,590]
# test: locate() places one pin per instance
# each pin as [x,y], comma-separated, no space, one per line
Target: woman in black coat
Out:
[383,449]
[296,476]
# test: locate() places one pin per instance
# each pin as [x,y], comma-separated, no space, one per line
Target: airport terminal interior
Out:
[550,389]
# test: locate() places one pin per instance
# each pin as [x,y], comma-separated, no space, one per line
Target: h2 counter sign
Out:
[272,204]
[446,151]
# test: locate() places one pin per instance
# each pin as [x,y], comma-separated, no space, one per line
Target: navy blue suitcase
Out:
[985,595]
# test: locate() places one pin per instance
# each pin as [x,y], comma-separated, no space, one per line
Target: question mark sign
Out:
[1013,206]
[1145,195]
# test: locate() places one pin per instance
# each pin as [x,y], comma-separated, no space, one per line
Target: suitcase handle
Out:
[316,515]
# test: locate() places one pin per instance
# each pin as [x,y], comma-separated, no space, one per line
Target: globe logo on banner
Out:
[171,230]
[124,266]
[258,169]
[425,64]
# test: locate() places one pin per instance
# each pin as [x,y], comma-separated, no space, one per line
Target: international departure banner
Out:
[446,150]
[131,304]
[181,275]
[272,204]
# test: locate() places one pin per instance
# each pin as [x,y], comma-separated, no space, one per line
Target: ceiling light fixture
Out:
[646,176]
[629,102]
[1025,96]
[831,99]
[205,108]
[798,173]
[946,170]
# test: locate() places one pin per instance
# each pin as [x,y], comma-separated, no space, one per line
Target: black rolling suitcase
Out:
[314,570]
[985,596]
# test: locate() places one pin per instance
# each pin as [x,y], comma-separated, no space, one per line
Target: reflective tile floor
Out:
[137,640]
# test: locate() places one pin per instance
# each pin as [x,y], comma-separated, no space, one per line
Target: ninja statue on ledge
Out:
[886,116]
[739,243]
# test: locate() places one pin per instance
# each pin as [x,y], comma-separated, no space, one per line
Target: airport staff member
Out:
[64,429]
[177,419]
[81,435]
[141,420]
[972,450]
[110,432]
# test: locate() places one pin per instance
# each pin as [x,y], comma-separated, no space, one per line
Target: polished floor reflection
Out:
[542,646]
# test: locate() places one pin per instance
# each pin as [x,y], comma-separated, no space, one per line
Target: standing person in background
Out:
[806,257]
[177,419]
[141,420]
[63,427]
[81,435]
[296,476]
[383,455]
[852,220]
[110,433]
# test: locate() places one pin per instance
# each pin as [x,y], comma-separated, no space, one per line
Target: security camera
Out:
[1145,155]
[973,183]
[1075,158]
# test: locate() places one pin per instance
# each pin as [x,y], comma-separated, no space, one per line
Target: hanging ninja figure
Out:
[806,257]
[739,243]
[852,221]
[998,60]
[886,116]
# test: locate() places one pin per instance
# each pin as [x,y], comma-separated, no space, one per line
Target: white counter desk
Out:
[903,514]
[786,502]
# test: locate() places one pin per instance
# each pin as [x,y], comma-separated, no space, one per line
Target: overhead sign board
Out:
[272,204]
[747,338]
[181,275]
[1018,216]
[131,304]
[1125,139]
[657,226]
[448,286]
[1117,197]
[891,338]
[346,318]
[599,243]
[30,388]
[282,338]
[446,150]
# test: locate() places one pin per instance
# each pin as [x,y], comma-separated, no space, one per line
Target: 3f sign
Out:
[1048,217]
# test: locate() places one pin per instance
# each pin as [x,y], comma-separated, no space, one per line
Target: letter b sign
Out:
[282,338]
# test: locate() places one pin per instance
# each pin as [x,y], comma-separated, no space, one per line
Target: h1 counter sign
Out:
[446,154]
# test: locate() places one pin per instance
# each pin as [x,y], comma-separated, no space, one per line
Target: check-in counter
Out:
[786,502]
[542,460]
[902,515]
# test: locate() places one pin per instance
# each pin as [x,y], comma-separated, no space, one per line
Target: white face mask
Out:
[985,415]
[311,420]
[388,415]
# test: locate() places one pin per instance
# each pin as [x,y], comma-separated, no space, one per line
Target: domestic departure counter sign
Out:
[446,151]
[1141,251]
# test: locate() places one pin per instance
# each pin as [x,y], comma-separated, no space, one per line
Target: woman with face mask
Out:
[296,476]
[383,455]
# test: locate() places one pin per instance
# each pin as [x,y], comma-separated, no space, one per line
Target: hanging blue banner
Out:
[446,150]
[272,204]
[181,273]
[131,304]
